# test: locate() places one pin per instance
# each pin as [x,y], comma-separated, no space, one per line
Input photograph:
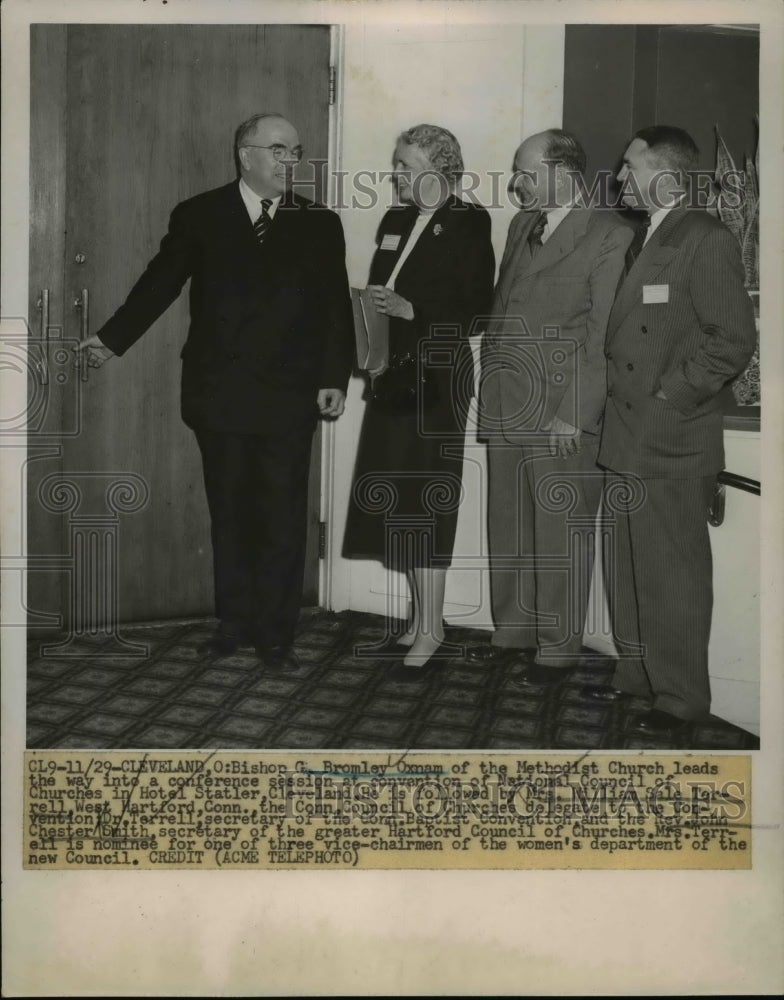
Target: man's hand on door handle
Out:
[92,352]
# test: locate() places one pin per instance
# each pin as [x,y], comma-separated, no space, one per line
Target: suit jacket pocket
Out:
[672,435]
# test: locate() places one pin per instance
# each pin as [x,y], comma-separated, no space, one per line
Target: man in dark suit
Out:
[269,347]
[543,392]
[681,327]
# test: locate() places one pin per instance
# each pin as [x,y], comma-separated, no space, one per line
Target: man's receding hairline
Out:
[252,130]
[272,118]
[537,139]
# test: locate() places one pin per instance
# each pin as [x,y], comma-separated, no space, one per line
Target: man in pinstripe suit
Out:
[681,327]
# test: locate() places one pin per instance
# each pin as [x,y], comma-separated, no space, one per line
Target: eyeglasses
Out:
[279,151]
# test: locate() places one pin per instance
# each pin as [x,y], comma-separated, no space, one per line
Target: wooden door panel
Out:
[151,113]
[45,583]
[124,177]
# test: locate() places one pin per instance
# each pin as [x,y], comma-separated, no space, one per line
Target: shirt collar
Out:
[556,216]
[253,201]
[660,215]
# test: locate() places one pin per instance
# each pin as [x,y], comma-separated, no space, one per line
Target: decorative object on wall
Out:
[737,205]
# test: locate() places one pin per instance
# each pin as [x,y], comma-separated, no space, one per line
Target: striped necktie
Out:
[535,235]
[636,245]
[264,221]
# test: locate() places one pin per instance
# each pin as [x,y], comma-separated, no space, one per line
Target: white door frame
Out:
[327,429]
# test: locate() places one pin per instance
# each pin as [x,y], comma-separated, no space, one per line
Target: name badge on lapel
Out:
[390,241]
[654,294]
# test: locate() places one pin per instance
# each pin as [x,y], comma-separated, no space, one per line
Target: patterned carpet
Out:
[174,698]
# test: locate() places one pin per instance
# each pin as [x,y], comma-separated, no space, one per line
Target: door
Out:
[127,121]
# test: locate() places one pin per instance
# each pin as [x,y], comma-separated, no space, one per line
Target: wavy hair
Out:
[441,147]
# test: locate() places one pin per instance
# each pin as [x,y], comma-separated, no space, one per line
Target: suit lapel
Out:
[432,234]
[519,257]
[281,229]
[522,266]
[236,218]
[562,241]
[656,254]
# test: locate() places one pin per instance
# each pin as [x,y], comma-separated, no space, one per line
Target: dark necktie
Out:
[535,235]
[635,247]
[264,221]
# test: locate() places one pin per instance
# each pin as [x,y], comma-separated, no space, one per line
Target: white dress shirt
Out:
[253,202]
[554,220]
[658,217]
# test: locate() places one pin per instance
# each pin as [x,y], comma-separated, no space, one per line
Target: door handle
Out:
[717,504]
[83,303]
[43,364]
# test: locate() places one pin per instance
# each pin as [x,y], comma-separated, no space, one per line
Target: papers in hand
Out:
[371,329]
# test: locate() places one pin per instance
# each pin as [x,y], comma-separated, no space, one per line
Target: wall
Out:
[620,78]
[490,85]
[598,90]
[734,652]
[706,79]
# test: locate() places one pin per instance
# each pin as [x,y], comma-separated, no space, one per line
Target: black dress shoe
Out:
[658,723]
[487,656]
[220,644]
[609,695]
[535,673]
[278,657]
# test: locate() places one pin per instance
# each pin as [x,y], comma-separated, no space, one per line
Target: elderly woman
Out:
[432,275]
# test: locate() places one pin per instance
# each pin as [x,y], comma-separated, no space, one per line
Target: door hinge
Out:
[333,84]
[322,540]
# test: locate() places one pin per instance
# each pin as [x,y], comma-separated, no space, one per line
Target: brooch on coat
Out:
[437,229]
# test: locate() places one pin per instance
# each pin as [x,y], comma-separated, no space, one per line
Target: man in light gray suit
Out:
[542,395]
[682,326]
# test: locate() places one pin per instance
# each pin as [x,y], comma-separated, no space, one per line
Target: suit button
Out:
[628,406]
[630,366]
[609,393]
[644,329]
[608,356]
